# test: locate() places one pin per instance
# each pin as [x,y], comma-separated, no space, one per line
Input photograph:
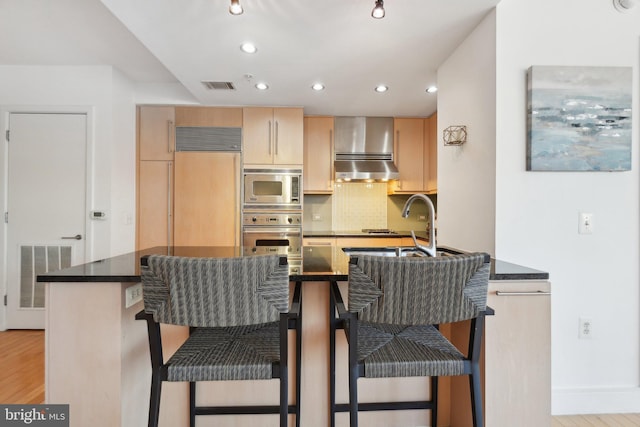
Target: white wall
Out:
[106,95]
[466,173]
[536,213]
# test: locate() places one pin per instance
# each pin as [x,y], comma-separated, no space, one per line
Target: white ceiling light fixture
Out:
[381,88]
[262,86]
[378,10]
[624,5]
[432,89]
[235,8]
[248,47]
[317,86]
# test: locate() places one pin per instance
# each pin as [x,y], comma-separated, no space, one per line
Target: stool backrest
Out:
[212,292]
[418,291]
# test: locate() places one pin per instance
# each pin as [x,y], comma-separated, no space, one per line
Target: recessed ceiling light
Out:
[317,86]
[235,8]
[248,47]
[262,86]
[381,88]
[432,89]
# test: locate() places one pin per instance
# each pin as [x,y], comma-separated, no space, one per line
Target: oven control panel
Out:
[271,219]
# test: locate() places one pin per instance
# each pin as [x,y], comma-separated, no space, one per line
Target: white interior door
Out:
[46,203]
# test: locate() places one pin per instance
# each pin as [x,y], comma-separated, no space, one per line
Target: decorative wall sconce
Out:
[455,135]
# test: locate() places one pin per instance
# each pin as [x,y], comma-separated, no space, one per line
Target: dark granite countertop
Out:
[320,263]
[360,233]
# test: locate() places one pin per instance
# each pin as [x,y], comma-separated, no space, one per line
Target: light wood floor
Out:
[22,364]
[22,380]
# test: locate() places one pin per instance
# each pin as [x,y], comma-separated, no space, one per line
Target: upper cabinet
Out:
[431,154]
[156,133]
[209,116]
[273,136]
[408,147]
[318,155]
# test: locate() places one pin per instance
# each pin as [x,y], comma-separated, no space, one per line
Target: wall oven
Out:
[272,189]
[274,233]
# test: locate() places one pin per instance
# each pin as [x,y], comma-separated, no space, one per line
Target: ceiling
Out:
[300,42]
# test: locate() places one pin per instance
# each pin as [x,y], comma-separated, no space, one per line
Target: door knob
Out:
[76,237]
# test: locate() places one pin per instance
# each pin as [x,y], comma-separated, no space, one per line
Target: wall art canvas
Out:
[579,118]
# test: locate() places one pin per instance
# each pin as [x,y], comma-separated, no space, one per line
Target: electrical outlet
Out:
[585,328]
[585,223]
[133,295]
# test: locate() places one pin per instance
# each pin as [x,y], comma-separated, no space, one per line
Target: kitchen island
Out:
[97,355]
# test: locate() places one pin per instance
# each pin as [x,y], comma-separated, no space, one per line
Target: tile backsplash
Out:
[354,206]
[359,205]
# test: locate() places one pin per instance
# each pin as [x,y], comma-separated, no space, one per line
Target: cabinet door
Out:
[209,116]
[155,204]
[518,355]
[288,136]
[156,133]
[318,155]
[367,242]
[409,154]
[207,199]
[431,154]
[257,135]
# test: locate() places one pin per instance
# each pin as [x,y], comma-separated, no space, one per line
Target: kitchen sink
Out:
[396,251]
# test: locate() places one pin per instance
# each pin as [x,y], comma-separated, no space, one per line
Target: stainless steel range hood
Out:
[364,149]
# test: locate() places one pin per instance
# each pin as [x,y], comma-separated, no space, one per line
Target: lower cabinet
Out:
[518,355]
[516,365]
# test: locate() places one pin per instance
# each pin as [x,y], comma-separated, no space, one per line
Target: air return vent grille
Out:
[208,139]
[219,85]
[36,260]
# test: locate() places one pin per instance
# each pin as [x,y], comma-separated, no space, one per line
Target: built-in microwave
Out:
[272,189]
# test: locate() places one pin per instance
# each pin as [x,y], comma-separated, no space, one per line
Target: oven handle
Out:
[272,242]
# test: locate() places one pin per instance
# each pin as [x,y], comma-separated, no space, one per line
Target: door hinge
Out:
[5,300]
[6,217]
[7,135]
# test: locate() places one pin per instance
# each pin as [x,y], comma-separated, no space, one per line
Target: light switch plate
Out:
[585,223]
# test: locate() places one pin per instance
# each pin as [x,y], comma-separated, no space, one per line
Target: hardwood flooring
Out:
[22,362]
[22,380]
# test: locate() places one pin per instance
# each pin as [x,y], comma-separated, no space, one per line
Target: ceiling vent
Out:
[219,85]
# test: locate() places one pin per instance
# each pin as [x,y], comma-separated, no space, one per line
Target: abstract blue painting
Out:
[579,118]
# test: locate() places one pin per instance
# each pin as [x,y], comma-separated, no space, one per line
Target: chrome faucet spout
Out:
[430,249]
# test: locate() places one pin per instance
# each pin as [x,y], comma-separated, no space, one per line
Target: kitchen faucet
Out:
[431,249]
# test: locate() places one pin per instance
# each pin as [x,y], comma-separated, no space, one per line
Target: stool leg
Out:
[154,400]
[434,401]
[192,404]
[476,396]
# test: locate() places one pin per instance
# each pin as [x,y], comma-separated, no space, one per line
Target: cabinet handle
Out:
[319,244]
[332,170]
[269,137]
[522,294]
[169,216]
[277,137]
[171,140]
[396,158]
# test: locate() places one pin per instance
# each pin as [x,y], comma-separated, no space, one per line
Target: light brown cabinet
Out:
[156,145]
[409,155]
[207,199]
[516,362]
[272,136]
[156,133]
[208,116]
[318,155]
[431,154]
[155,204]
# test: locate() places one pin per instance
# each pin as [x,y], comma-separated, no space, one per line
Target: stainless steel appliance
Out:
[364,149]
[272,189]
[274,233]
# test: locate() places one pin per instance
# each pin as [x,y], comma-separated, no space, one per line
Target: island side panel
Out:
[82,351]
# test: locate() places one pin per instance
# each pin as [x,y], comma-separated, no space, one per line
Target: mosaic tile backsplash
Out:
[359,205]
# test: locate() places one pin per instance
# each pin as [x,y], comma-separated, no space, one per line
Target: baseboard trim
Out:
[595,401]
